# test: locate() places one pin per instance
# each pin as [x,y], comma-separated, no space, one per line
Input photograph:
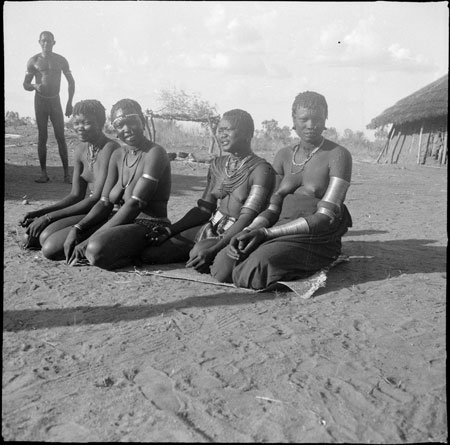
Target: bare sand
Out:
[93,355]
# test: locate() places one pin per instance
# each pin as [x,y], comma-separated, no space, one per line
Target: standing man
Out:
[46,68]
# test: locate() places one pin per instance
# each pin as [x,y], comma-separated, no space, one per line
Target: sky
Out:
[257,56]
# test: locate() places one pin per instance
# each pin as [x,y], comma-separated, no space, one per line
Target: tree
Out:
[271,131]
[381,133]
[331,134]
[179,103]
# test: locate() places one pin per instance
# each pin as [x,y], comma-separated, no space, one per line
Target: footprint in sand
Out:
[70,432]
[159,389]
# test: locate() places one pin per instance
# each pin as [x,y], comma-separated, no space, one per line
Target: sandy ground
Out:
[91,355]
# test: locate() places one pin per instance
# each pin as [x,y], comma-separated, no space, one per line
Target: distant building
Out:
[419,127]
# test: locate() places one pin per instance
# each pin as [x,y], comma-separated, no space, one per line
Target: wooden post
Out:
[444,149]
[213,137]
[395,146]
[400,148]
[420,144]
[427,143]
[412,142]
[386,145]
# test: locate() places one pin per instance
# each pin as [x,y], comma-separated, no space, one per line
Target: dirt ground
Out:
[92,355]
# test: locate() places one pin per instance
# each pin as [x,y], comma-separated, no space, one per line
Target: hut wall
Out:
[403,147]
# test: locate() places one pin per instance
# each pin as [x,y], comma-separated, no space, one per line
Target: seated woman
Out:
[91,159]
[139,182]
[301,230]
[239,185]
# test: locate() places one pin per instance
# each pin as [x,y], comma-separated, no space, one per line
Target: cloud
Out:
[362,47]
[224,62]
[236,44]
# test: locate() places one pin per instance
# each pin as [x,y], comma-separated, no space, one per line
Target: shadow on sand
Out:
[386,259]
[19,181]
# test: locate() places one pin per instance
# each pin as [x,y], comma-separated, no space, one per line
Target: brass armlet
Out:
[149,177]
[142,203]
[299,226]
[256,198]
[336,191]
[327,212]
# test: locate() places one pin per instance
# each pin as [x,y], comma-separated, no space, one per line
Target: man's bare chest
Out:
[48,65]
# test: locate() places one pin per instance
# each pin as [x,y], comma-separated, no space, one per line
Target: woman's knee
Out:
[222,267]
[52,249]
[96,254]
[251,273]
[44,235]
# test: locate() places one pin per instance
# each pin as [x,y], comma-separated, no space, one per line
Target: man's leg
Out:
[41,122]
[57,118]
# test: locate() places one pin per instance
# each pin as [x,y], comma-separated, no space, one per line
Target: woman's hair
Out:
[241,120]
[128,106]
[311,100]
[91,107]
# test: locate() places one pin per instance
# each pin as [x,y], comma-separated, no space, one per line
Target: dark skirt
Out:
[291,257]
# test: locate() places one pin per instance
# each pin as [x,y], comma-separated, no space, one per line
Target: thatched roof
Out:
[429,102]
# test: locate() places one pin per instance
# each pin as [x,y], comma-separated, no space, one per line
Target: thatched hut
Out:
[419,126]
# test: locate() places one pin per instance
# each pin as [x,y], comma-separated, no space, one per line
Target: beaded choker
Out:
[92,152]
[232,166]
[302,164]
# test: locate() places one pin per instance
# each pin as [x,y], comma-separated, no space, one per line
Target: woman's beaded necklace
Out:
[232,166]
[302,164]
[125,164]
[93,150]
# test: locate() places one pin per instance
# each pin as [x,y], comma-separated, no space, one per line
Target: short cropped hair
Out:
[241,120]
[128,106]
[91,107]
[312,100]
[47,32]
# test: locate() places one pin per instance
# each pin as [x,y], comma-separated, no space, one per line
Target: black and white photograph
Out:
[225,221]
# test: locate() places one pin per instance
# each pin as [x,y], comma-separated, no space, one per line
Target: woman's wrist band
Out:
[48,217]
[78,227]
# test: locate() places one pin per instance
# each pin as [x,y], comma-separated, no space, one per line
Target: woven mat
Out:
[304,288]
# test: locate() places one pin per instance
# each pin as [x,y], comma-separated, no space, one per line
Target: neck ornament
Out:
[302,164]
[92,152]
[134,164]
[233,165]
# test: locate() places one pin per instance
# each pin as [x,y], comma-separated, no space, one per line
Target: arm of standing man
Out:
[29,75]
[71,82]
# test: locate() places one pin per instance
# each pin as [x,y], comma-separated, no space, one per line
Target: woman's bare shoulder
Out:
[335,148]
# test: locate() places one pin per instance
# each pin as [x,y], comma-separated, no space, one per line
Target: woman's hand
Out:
[27,219]
[71,241]
[244,243]
[36,227]
[201,257]
[78,254]
[158,236]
